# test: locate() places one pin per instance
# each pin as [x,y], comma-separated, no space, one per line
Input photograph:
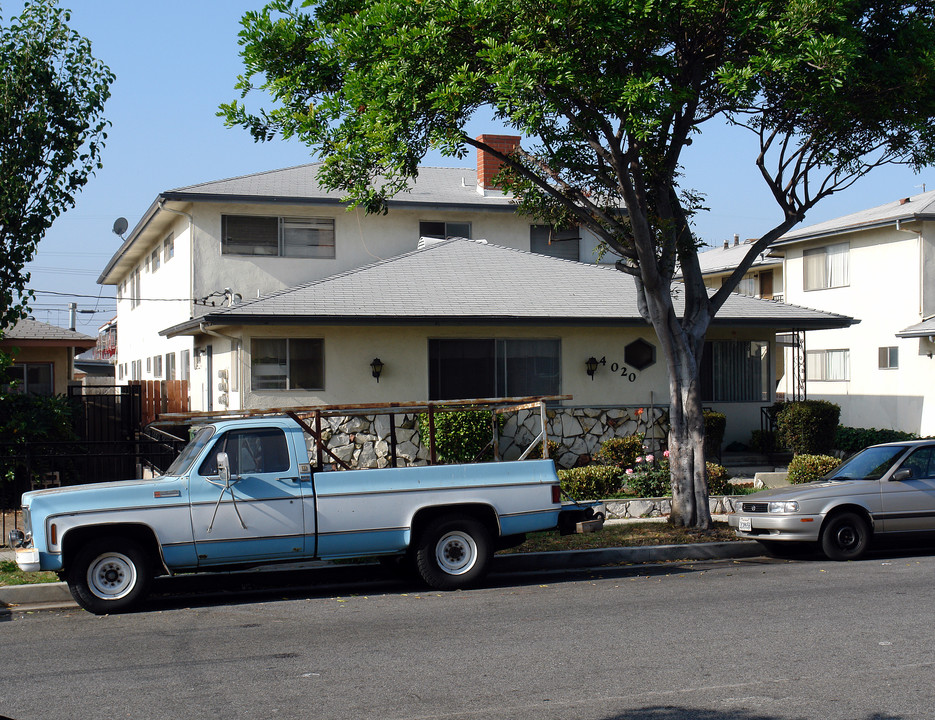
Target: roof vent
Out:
[904,201]
[726,244]
[736,239]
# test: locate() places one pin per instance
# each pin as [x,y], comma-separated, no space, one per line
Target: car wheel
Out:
[452,552]
[845,536]
[109,575]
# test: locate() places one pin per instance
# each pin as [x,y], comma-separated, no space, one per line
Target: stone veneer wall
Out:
[364,441]
[662,506]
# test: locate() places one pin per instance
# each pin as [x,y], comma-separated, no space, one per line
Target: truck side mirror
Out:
[224,468]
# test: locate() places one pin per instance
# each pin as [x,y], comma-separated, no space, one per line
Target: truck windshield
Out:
[869,464]
[191,451]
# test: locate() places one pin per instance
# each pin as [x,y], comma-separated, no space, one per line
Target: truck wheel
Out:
[109,575]
[453,552]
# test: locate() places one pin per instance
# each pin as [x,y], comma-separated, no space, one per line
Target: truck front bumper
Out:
[27,559]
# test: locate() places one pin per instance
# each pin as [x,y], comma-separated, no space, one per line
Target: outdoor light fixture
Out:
[591,365]
[376,368]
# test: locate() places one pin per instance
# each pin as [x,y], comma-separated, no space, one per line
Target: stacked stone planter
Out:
[363,441]
[662,506]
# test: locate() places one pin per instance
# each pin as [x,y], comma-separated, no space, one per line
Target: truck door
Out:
[258,515]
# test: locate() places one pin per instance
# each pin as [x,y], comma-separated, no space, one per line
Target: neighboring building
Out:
[763,280]
[461,319]
[43,356]
[205,246]
[877,265]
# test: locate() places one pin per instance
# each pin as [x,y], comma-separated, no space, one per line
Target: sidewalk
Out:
[53,596]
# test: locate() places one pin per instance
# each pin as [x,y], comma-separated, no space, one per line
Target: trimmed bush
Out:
[460,437]
[620,452]
[851,439]
[763,441]
[594,482]
[718,479]
[807,427]
[808,468]
[714,425]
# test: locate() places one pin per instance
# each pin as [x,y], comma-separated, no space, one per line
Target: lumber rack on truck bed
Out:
[309,419]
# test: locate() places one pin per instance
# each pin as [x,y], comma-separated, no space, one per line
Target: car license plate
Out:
[745,525]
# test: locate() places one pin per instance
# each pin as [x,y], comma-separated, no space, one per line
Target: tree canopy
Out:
[52,131]
[607,94]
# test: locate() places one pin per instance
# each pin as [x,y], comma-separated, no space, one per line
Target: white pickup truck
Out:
[243,493]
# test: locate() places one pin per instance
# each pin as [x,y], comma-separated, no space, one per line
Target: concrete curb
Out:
[21,598]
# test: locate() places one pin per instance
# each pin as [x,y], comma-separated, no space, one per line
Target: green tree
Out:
[52,94]
[609,92]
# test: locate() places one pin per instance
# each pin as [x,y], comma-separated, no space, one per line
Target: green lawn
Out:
[10,574]
[625,535]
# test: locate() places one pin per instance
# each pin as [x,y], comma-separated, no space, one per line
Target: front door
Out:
[909,505]
[259,514]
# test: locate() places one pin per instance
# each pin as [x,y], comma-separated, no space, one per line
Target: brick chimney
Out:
[487,165]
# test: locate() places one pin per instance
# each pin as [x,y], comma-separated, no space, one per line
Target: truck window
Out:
[188,454]
[252,451]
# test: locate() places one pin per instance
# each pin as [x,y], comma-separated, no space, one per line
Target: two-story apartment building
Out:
[204,246]
[877,265]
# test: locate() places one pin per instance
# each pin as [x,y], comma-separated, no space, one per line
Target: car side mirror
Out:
[903,474]
[224,468]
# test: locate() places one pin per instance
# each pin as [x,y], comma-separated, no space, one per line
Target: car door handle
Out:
[290,479]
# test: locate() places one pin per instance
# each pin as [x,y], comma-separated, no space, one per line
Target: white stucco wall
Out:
[884,291]
[404,352]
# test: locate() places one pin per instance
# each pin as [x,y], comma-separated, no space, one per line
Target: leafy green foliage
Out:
[52,93]
[610,94]
[536,452]
[649,477]
[718,479]
[808,468]
[593,482]
[851,439]
[620,452]
[715,424]
[460,437]
[808,426]
[763,441]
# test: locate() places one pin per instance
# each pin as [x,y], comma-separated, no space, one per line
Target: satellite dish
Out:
[120,226]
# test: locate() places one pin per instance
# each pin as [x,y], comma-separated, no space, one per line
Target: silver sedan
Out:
[882,490]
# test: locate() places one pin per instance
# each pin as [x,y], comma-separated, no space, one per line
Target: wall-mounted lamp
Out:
[376,368]
[591,364]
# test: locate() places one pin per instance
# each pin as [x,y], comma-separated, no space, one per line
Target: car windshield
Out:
[869,464]
[191,450]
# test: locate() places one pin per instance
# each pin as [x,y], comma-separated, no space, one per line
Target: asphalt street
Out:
[745,639]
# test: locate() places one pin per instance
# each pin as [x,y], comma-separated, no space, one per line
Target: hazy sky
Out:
[176,61]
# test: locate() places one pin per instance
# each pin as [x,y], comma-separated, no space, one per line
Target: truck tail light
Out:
[53,534]
[556,493]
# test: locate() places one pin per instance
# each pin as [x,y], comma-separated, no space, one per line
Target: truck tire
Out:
[452,552]
[109,575]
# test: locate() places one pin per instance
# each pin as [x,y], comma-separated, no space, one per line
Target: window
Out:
[287,364]
[444,230]
[921,462]
[831,365]
[826,267]
[168,248]
[135,288]
[462,368]
[157,366]
[170,366]
[149,364]
[283,237]
[747,286]
[29,379]
[121,370]
[185,362]
[155,259]
[735,371]
[889,358]
[136,370]
[546,240]
[249,452]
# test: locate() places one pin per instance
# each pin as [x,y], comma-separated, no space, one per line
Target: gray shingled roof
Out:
[721,259]
[468,281]
[917,207]
[434,186]
[30,330]
[922,329]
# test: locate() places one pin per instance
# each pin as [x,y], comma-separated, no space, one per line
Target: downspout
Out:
[191,255]
[918,234]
